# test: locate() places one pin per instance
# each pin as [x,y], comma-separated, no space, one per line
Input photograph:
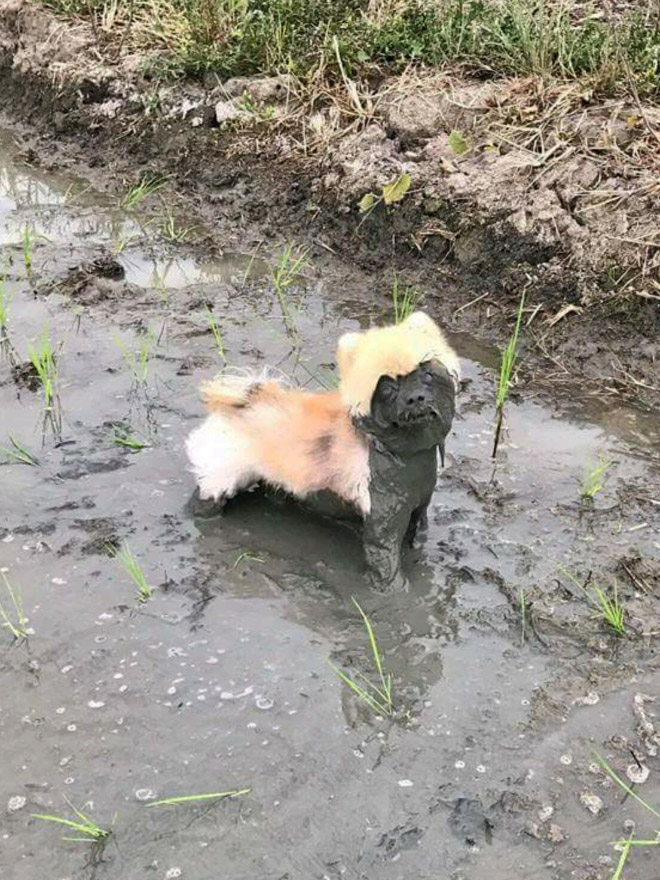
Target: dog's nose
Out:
[416,399]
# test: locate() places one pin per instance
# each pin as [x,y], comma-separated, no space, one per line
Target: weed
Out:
[18,453]
[133,569]
[507,366]
[127,441]
[196,798]
[137,193]
[626,845]
[14,618]
[377,696]
[390,193]
[242,557]
[404,302]
[592,482]
[217,333]
[88,829]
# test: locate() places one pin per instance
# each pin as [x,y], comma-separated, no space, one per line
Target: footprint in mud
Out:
[469,822]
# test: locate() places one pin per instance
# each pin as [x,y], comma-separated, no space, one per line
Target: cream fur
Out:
[363,358]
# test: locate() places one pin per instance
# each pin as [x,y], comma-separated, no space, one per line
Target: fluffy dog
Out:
[372,444]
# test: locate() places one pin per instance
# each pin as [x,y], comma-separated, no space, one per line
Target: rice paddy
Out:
[129,564]
[508,364]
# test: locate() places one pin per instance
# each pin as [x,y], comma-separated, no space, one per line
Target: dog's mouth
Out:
[416,417]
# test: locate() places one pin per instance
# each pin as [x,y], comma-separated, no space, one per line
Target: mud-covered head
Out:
[399,382]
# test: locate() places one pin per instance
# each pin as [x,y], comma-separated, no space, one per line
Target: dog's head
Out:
[399,382]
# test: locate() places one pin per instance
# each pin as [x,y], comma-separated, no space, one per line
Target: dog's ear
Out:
[419,321]
[346,350]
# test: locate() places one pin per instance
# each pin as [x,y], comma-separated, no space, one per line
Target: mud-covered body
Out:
[370,447]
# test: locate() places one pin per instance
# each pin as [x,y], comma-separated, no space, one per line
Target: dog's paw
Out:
[205,508]
[396,583]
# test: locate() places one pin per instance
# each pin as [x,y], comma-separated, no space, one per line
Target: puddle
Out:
[221,680]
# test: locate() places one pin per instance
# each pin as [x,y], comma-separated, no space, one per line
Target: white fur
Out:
[221,465]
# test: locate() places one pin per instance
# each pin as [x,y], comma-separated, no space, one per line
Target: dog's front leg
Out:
[384,531]
[418,520]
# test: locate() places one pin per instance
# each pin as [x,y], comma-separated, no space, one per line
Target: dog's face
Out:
[400,383]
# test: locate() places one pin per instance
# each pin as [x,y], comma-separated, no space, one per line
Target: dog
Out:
[373,444]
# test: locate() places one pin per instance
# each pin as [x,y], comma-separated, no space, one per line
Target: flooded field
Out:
[507,680]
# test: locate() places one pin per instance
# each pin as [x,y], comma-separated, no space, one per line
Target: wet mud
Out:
[506,681]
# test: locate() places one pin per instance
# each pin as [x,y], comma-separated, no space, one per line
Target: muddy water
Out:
[221,680]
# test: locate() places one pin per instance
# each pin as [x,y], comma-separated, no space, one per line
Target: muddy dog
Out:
[372,444]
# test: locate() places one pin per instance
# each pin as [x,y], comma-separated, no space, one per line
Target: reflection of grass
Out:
[592,482]
[377,696]
[197,798]
[624,846]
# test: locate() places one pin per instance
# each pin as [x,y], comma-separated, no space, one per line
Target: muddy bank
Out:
[546,189]
[506,680]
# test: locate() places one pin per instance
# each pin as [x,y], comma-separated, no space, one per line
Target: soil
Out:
[507,682]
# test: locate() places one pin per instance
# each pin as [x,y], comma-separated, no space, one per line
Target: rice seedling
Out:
[197,798]
[247,555]
[13,616]
[404,302]
[133,569]
[18,453]
[625,846]
[507,367]
[84,826]
[378,697]
[217,333]
[126,440]
[609,608]
[137,193]
[172,230]
[289,268]
[44,361]
[137,359]
[592,482]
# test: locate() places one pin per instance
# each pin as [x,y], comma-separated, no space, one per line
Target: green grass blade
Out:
[611,773]
[192,798]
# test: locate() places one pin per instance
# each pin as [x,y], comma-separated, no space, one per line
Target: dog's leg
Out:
[418,520]
[384,531]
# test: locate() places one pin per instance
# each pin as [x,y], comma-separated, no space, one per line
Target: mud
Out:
[221,680]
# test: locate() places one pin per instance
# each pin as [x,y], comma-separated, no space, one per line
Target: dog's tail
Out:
[231,392]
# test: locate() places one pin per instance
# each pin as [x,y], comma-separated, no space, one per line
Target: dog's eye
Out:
[427,377]
[388,388]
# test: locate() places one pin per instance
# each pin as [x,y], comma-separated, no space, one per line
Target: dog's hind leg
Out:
[221,460]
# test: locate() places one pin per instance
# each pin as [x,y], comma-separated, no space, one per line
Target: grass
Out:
[196,798]
[507,367]
[285,274]
[217,333]
[592,482]
[5,304]
[625,846]
[137,193]
[247,555]
[173,231]
[342,40]
[88,830]
[13,617]
[609,608]
[127,440]
[18,453]
[404,302]
[378,697]
[133,569]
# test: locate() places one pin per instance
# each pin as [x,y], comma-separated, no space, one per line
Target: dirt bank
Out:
[541,187]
